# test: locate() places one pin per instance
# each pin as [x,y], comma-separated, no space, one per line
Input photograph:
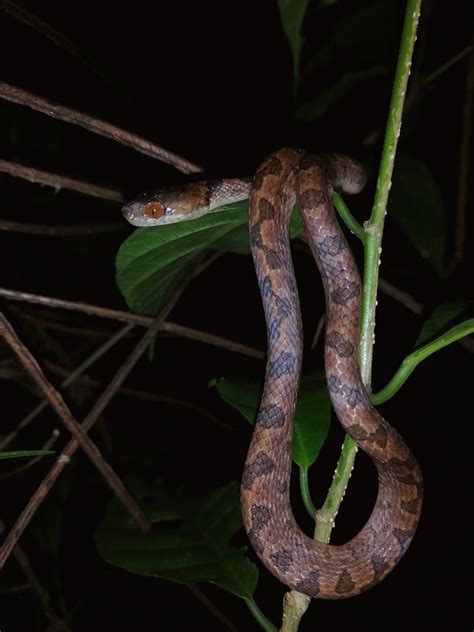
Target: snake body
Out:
[316,569]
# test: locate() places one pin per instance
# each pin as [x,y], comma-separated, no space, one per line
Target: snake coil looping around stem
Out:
[316,569]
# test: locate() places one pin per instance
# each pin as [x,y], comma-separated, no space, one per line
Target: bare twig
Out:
[41,593]
[47,31]
[212,608]
[63,113]
[37,317]
[136,319]
[207,263]
[59,182]
[71,377]
[422,87]
[72,446]
[447,64]
[401,296]
[319,331]
[143,395]
[59,231]
[56,401]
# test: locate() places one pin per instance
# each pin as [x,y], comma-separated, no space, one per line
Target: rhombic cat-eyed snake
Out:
[285,177]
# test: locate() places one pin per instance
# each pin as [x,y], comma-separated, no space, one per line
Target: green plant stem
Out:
[305,493]
[265,623]
[346,216]
[373,230]
[411,361]
[326,516]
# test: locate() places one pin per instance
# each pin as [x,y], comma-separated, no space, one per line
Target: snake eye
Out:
[154,210]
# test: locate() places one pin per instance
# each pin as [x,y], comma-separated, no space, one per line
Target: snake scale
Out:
[285,177]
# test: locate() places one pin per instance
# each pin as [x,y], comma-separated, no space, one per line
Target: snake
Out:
[286,177]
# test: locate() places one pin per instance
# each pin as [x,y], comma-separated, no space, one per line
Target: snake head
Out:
[168,205]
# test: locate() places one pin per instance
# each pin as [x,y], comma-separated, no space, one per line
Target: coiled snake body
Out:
[316,569]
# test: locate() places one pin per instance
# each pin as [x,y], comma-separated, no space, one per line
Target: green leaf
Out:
[292,13]
[189,543]
[416,204]
[312,415]
[152,262]
[441,316]
[22,453]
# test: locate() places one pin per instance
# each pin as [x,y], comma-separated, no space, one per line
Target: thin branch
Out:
[136,319]
[66,455]
[41,593]
[207,263]
[401,296]
[93,124]
[448,64]
[58,39]
[422,86]
[70,379]
[216,341]
[59,182]
[81,438]
[143,395]
[212,608]
[40,320]
[319,331]
[59,231]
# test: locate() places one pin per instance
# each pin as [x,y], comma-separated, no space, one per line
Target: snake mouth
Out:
[130,213]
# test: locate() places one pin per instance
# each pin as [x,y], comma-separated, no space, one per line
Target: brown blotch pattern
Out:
[310,584]
[341,345]
[331,245]
[272,168]
[329,270]
[266,209]
[345,292]
[283,559]
[261,466]
[283,365]
[411,481]
[344,583]
[379,437]
[271,416]
[312,197]
[352,394]
[261,515]
[410,505]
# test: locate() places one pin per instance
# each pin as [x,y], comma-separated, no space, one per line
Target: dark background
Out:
[212,82]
